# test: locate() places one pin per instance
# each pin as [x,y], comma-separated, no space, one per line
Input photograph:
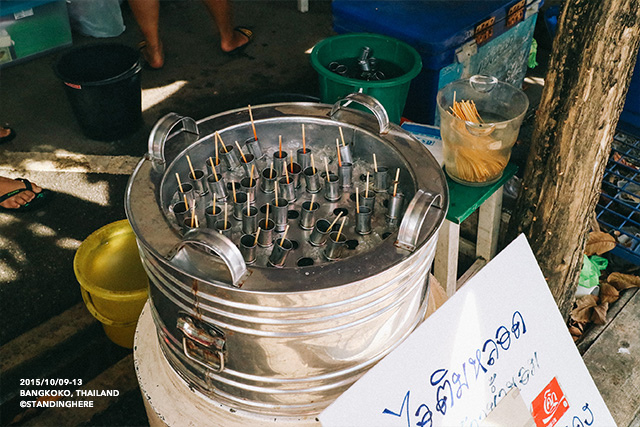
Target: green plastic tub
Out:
[392,93]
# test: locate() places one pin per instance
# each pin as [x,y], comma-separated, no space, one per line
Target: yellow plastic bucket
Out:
[112,280]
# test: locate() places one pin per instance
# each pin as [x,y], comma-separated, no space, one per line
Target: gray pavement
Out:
[37,248]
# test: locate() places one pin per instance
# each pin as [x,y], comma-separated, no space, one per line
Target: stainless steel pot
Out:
[286,341]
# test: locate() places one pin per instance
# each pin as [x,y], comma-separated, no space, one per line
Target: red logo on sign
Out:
[550,405]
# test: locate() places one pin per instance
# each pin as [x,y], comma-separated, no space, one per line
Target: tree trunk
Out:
[589,72]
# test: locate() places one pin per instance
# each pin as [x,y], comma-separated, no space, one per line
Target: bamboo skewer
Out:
[241,153]
[304,141]
[357,201]
[193,214]
[193,173]
[276,194]
[326,167]
[216,144]
[248,207]
[339,158]
[179,183]
[226,216]
[340,229]
[342,136]
[271,171]
[253,168]
[185,201]
[266,218]
[313,165]
[214,205]
[222,143]
[253,125]
[284,235]
[233,187]
[280,146]
[395,184]
[375,163]
[255,241]
[366,190]
[313,197]
[213,169]
[335,220]
[286,174]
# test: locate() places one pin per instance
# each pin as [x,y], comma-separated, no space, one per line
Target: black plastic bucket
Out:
[102,82]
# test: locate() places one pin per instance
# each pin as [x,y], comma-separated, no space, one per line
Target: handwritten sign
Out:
[501,330]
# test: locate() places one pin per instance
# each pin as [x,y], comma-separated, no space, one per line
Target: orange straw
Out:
[280,146]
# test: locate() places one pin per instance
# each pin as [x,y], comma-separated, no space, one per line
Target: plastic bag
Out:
[591,268]
[96,18]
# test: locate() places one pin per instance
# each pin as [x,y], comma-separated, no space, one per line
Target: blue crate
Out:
[618,207]
[455,40]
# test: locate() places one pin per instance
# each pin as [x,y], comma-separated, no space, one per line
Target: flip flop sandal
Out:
[245,32]
[142,47]
[38,201]
[9,137]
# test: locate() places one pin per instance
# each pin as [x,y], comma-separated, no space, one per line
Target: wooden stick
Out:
[223,144]
[213,169]
[253,125]
[196,220]
[326,167]
[216,144]
[233,186]
[266,221]
[313,165]
[241,153]
[339,158]
[193,214]
[276,191]
[313,197]
[253,168]
[342,136]
[271,171]
[304,141]
[179,183]
[335,220]
[375,163]
[366,190]
[395,185]
[357,201]
[214,204]
[280,146]
[286,174]
[340,229]
[255,241]
[186,203]
[226,215]
[248,207]
[284,235]
[193,173]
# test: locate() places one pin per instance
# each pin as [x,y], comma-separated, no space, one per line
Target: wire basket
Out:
[618,208]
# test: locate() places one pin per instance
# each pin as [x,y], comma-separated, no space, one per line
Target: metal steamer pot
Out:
[286,341]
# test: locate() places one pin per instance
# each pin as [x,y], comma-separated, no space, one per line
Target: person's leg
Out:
[222,14]
[147,14]
[8,185]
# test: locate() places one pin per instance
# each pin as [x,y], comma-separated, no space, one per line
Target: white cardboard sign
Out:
[501,330]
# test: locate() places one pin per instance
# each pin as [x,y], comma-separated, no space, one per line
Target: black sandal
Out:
[9,137]
[248,33]
[38,201]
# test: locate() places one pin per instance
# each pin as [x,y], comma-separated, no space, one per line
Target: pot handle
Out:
[367,101]
[414,217]
[161,132]
[219,244]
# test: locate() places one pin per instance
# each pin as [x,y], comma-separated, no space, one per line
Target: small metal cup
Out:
[239,204]
[278,162]
[249,220]
[186,223]
[231,157]
[345,153]
[303,158]
[247,165]
[307,215]
[249,186]
[265,238]
[335,246]
[187,190]
[320,232]
[248,248]
[279,253]
[363,220]
[294,170]
[254,148]
[287,189]
[220,226]
[280,212]
[212,216]
[380,183]
[269,180]
[217,166]
[345,175]
[395,207]
[369,202]
[198,182]
[313,180]
[332,190]
[218,188]
[180,211]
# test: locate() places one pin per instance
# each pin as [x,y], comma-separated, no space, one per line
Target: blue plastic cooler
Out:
[456,39]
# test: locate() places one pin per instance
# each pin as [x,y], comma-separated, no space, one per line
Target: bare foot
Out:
[239,39]
[153,54]
[22,198]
